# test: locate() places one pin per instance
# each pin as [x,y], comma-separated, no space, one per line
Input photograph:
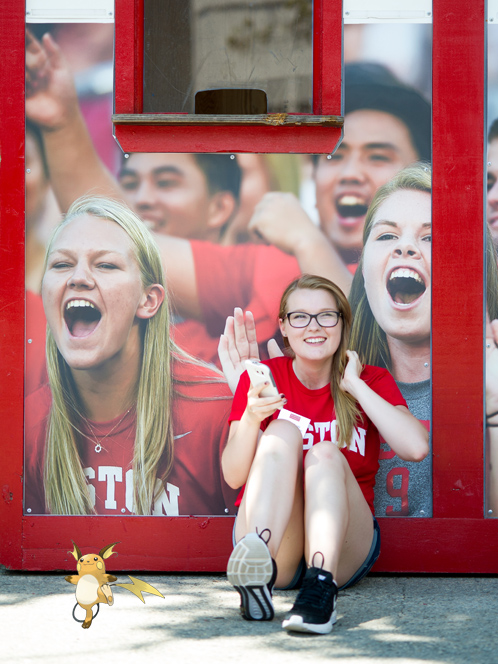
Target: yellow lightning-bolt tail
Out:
[75,552]
[137,587]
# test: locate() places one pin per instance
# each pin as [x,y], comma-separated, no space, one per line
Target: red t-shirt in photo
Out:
[250,276]
[195,485]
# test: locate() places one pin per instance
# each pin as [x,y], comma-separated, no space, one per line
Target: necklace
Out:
[98,444]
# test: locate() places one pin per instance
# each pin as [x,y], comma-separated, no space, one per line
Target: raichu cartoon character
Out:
[92,582]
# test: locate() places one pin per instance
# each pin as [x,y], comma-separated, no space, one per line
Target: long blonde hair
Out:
[368,339]
[66,489]
[346,407]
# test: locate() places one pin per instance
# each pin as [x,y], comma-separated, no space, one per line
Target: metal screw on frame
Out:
[329,156]
[490,511]
[28,170]
[126,156]
[232,156]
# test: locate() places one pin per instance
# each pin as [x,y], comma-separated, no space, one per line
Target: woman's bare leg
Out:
[273,498]
[338,520]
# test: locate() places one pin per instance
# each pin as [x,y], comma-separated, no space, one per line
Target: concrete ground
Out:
[394,619]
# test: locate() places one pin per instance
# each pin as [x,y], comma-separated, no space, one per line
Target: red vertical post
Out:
[327,57]
[12,282]
[457,256]
[128,56]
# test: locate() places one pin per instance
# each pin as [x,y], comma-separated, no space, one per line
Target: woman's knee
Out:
[324,452]
[282,436]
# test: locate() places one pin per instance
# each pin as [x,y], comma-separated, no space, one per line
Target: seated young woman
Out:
[320,510]
[128,423]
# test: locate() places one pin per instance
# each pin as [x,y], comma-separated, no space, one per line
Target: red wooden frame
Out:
[453,540]
[327,87]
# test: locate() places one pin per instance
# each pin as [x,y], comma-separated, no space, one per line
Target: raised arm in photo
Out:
[281,221]
[52,103]
[413,443]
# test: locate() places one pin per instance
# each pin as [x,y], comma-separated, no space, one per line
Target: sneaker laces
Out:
[318,553]
[313,592]
[316,589]
[262,535]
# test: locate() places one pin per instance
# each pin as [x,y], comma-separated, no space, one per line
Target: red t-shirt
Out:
[195,484]
[250,276]
[192,336]
[318,406]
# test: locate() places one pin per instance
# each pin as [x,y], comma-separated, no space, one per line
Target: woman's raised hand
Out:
[352,372]
[258,407]
[237,344]
[51,96]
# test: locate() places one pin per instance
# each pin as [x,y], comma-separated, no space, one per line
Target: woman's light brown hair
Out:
[345,405]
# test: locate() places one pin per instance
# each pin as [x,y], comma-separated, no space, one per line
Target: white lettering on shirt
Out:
[111,475]
[164,502]
[90,475]
[322,428]
[129,490]
[308,438]
[358,441]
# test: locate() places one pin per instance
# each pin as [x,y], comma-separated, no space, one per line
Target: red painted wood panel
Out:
[127,78]
[327,57]
[12,281]
[204,544]
[457,255]
[231,138]
[459,546]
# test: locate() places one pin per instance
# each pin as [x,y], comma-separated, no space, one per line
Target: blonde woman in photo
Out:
[128,423]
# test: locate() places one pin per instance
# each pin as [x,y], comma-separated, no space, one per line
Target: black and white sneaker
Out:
[252,572]
[314,609]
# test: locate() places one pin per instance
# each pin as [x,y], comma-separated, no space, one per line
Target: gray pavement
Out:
[395,619]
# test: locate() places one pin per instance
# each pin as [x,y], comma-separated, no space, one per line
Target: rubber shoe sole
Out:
[250,570]
[295,624]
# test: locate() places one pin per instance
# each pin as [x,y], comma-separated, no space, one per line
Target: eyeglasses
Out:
[324,318]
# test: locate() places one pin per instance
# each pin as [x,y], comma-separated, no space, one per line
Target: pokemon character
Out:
[92,582]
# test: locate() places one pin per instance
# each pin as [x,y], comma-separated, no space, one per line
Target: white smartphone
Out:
[260,373]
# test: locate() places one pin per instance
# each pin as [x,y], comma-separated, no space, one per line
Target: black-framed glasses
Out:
[324,318]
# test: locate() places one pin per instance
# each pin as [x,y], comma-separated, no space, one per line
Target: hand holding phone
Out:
[259,373]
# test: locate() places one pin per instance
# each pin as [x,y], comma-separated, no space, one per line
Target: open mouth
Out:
[82,317]
[351,206]
[405,286]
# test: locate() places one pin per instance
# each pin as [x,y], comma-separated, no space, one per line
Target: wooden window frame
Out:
[319,132]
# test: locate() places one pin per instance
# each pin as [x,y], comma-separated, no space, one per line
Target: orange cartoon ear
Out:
[107,550]
[76,553]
